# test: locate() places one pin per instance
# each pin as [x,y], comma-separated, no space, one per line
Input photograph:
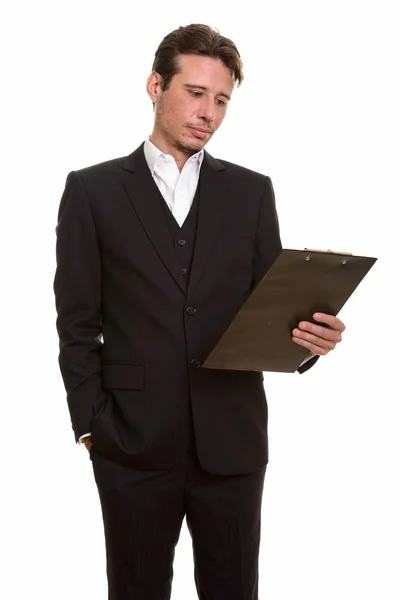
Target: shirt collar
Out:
[152,153]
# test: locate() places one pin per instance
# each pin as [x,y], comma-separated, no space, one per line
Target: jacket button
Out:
[191,310]
[181,242]
[195,363]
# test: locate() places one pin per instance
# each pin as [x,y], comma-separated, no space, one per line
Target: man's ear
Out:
[153,86]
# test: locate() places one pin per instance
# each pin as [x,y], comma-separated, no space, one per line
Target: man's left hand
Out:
[88,442]
[319,339]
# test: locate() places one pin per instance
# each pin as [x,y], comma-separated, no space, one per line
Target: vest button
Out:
[191,310]
[195,363]
[183,271]
[181,242]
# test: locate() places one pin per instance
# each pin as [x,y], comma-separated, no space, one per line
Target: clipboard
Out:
[298,284]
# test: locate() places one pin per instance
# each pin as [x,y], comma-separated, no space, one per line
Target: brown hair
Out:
[195,39]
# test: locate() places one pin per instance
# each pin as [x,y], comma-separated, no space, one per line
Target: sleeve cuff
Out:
[309,356]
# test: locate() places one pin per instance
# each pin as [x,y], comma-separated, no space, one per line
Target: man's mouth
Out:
[200,131]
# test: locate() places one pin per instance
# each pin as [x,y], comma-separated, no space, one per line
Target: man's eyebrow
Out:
[192,86]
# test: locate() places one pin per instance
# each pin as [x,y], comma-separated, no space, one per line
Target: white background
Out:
[318,112]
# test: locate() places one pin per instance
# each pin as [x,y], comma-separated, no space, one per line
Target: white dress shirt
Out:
[177,188]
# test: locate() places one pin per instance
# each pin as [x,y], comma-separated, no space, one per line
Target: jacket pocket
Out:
[123,375]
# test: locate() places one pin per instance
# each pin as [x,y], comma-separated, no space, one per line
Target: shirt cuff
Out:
[83,436]
[309,356]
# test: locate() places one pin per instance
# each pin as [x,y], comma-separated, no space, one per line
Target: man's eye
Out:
[195,94]
[221,102]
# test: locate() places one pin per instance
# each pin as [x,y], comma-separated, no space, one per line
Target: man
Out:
[156,253]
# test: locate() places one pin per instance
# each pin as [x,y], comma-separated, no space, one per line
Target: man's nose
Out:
[207,110]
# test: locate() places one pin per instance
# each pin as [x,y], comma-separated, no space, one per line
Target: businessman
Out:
[156,253]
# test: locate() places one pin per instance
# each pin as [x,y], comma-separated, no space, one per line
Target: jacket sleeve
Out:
[77,288]
[268,242]
[307,364]
[268,246]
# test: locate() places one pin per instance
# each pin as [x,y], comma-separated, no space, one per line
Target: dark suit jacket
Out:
[130,353]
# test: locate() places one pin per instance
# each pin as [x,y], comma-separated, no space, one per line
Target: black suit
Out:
[142,393]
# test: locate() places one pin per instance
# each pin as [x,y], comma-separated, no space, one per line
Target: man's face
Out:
[193,107]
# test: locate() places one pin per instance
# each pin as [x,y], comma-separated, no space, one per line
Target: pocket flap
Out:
[124,376]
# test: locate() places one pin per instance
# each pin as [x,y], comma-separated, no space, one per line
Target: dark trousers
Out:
[143,513]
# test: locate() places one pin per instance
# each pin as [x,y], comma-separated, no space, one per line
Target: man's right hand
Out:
[87,442]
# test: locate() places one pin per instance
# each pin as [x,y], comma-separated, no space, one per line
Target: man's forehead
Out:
[199,61]
[195,69]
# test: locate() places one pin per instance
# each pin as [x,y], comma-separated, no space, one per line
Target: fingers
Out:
[317,339]
[316,333]
[331,321]
[88,443]
[313,343]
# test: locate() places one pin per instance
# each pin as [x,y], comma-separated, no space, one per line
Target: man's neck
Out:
[163,145]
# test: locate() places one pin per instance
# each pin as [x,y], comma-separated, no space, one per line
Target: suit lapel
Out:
[213,203]
[143,194]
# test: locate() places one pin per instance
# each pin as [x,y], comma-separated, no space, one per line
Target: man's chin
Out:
[191,147]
